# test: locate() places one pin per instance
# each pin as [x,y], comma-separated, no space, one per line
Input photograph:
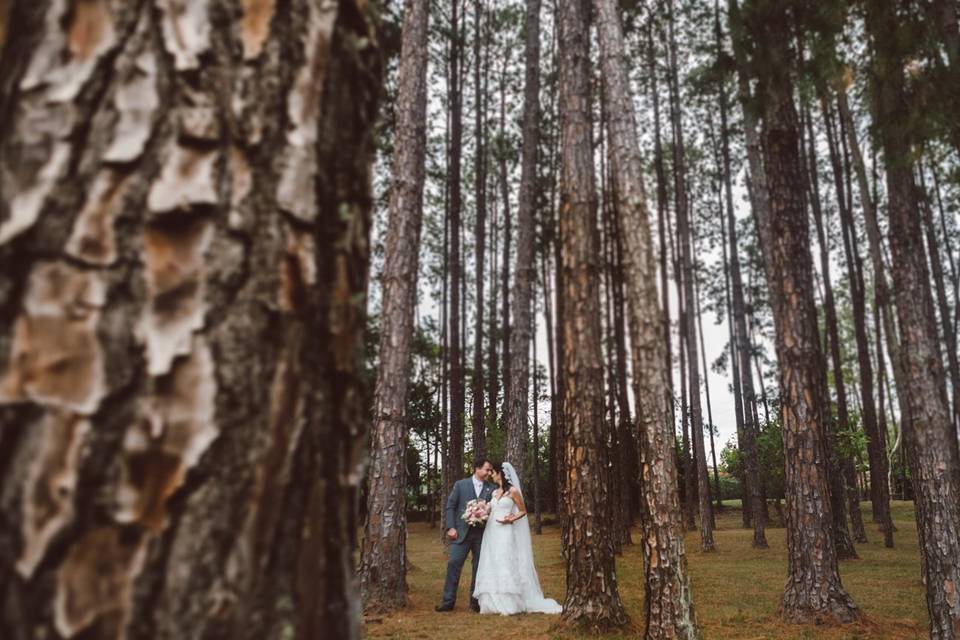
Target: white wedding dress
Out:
[507,581]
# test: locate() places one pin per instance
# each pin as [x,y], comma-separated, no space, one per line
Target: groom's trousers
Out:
[458,555]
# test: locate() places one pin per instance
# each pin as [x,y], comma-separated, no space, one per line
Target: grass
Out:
[736,589]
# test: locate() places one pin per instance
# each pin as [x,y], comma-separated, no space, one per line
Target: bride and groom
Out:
[504,578]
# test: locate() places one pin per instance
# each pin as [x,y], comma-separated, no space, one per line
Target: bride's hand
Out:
[506,521]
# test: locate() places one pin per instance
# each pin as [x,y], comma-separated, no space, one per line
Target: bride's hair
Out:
[498,467]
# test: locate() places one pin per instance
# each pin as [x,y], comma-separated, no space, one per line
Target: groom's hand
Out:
[452,533]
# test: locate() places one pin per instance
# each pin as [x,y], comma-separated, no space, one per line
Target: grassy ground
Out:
[736,589]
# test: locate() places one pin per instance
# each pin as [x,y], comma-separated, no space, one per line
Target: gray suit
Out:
[468,538]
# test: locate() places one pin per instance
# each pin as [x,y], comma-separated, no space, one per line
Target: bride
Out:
[507,581]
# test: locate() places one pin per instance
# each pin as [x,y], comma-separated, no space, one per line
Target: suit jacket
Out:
[463,493]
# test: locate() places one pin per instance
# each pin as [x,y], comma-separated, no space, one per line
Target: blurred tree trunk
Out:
[455,344]
[524,274]
[841,464]
[383,570]
[480,229]
[592,598]
[760,205]
[183,283]
[876,436]
[814,592]
[689,402]
[929,435]
[669,608]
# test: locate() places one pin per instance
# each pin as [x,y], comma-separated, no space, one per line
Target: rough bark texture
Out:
[876,432]
[930,439]
[184,267]
[479,422]
[523,275]
[454,470]
[813,592]
[383,560]
[592,598]
[699,463]
[743,378]
[841,466]
[668,603]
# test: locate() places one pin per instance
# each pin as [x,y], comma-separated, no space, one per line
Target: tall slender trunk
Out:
[669,610]
[505,328]
[699,463]
[747,411]
[841,466]
[706,389]
[524,273]
[881,285]
[876,437]
[662,222]
[457,400]
[383,570]
[930,438]
[943,306]
[813,591]
[182,391]
[480,231]
[592,598]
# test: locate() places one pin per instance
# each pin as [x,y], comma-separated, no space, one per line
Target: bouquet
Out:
[476,513]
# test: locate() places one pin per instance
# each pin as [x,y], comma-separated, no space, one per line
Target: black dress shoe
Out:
[442,608]
[475,607]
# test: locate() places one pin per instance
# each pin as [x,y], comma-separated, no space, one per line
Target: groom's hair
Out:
[480,461]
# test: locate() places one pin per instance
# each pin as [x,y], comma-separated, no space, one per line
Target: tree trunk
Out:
[699,463]
[706,389]
[457,399]
[524,273]
[876,435]
[480,229]
[669,608]
[383,571]
[930,439]
[841,466]
[183,309]
[943,306]
[592,599]
[505,329]
[760,203]
[662,224]
[813,592]
[691,413]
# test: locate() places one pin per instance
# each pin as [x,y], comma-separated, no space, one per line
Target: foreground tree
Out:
[522,328]
[930,439]
[669,608]
[383,565]
[813,592]
[169,468]
[592,599]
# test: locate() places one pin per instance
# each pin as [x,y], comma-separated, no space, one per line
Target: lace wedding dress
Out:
[507,581]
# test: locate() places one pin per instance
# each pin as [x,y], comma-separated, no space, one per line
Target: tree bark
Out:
[183,299]
[524,273]
[457,384]
[876,434]
[592,598]
[383,579]
[760,203]
[930,439]
[814,592]
[669,607]
[480,229]
[841,465]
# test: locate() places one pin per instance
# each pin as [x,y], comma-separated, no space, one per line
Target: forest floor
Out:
[736,589]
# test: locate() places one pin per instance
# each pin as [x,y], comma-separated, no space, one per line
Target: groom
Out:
[463,537]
